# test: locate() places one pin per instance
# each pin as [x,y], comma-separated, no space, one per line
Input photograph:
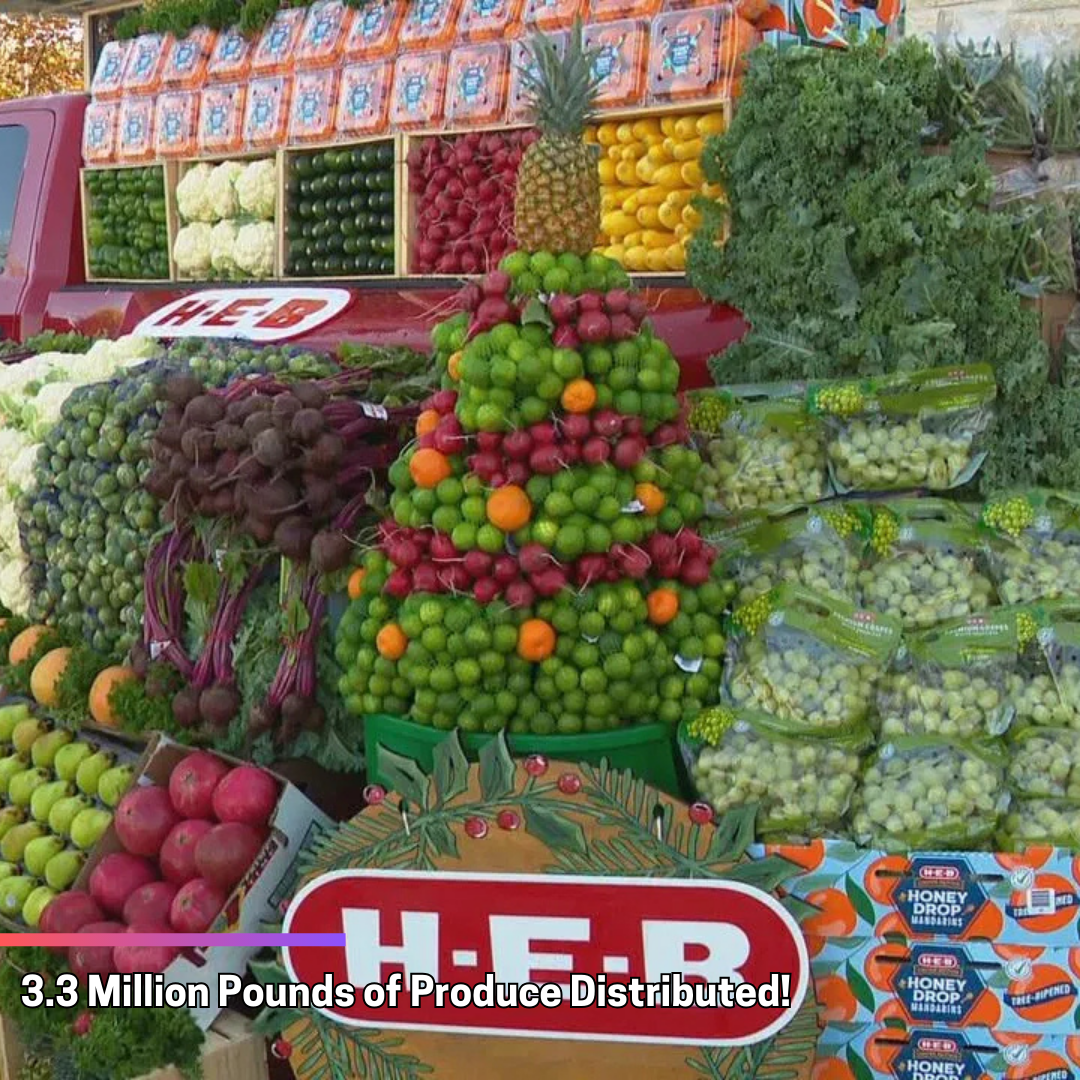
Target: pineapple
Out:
[557,204]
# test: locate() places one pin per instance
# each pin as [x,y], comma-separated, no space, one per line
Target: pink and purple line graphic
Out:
[179,941]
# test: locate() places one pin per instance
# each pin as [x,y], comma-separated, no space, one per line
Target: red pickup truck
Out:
[42,282]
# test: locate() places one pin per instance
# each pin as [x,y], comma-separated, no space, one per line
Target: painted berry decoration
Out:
[536,764]
[281,1048]
[569,783]
[374,794]
[83,1023]
[700,813]
[508,820]
[476,827]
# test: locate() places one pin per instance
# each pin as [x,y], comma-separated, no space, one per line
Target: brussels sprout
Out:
[1045,764]
[956,704]
[936,795]
[1040,821]
[800,785]
[885,454]
[921,587]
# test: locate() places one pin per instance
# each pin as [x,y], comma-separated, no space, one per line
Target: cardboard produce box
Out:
[257,900]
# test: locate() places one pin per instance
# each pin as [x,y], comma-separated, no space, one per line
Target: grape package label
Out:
[262,315]
[634,960]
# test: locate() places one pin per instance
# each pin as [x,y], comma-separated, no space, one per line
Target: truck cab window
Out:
[13,142]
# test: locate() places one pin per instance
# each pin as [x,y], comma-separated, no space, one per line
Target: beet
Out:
[181,389]
[140,659]
[179,466]
[261,531]
[197,444]
[330,551]
[285,405]
[271,500]
[199,479]
[319,494]
[222,503]
[229,437]
[159,483]
[323,457]
[307,425]
[169,435]
[261,718]
[206,410]
[260,403]
[270,448]
[293,537]
[172,416]
[225,464]
[249,471]
[219,704]
[310,395]
[298,711]
[185,707]
[257,423]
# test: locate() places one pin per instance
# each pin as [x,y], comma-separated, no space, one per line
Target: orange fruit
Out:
[831,1069]
[1032,858]
[881,968]
[579,396]
[429,468]
[835,917]
[427,422]
[651,497]
[45,678]
[882,877]
[391,642]
[663,605]
[453,366]
[837,1002]
[509,508]
[1043,976]
[101,690]
[808,856]
[356,583]
[988,923]
[536,640]
[24,643]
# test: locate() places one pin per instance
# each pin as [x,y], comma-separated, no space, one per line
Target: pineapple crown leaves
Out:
[561,89]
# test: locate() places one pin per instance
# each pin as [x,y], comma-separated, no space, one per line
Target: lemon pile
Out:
[649,174]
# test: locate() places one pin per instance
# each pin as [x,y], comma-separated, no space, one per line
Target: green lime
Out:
[446,519]
[449,492]
[586,499]
[593,681]
[490,418]
[541,262]
[569,542]
[556,280]
[464,536]
[474,509]
[515,263]
[558,505]
[533,410]
[598,361]
[567,364]
[490,539]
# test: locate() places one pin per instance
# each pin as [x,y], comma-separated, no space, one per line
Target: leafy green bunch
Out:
[853,251]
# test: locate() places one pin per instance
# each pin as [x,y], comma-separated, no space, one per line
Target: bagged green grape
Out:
[1045,688]
[921,429]
[759,453]
[1044,763]
[926,563]
[802,784]
[807,659]
[1035,553]
[1040,821]
[818,549]
[928,793]
[951,681]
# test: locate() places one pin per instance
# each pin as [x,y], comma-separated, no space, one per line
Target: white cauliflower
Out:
[256,187]
[20,473]
[191,195]
[47,406]
[221,190]
[129,350]
[222,243]
[254,249]
[15,586]
[9,527]
[191,250]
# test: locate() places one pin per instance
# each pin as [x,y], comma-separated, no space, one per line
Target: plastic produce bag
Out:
[817,549]
[760,453]
[1044,763]
[1035,553]
[1040,821]
[802,784]
[951,681]
[929,794]
[1045,688]
[807,659]
[926,563]
[921,429]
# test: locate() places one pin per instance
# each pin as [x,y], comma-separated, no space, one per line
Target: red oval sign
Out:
[547,956]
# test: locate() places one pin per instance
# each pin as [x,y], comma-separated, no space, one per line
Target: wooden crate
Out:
[231,1051]
[400,195]
[172,219]
[184,165]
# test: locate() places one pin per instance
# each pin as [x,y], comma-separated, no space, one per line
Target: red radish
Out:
[488,442]
[498,480]
[695,572]
[446,440]
[546,460]
[517,472]
[633,562]
[193,780]
[534,559]
[442,548]
[150,904]
[116,877]
[617,301]
[495,310]
[426,441]
[196,906]
[225,854]
[477,563]
[690,542]
[455,578]
[505,569]
[486,589]
[591,301]
[594,326]
[576,427]
[622,327]
[248,794]
[520,594]
[665,435]
[517,445]
[544,433]
[404,553]
[562,307]
[632,425]
[485,465]
[551,582]
[628,452]
[669,568]
[399,584]
[177,859]
[565,337]
[595,451]
[590,568]
[571,454]
[607,424]
[444,401]
[662,547]
[425,578]
[497,282]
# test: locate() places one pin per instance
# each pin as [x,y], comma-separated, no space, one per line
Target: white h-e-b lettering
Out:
[365,952]
[665,942]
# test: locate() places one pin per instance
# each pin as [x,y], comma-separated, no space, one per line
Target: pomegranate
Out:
[150,904]
[143,819]
[129,959]
[192,783]
[195,907]
[116,877]
[177,859]
[68,913]
[247,794]
[87,960]
[226,853]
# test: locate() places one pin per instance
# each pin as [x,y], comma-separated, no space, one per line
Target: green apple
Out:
[47,796]
[69,758]
[88,827]
[62,869]
[15,840]
[36,903]
[43,752]
[10,716]
[8,869]
[24,784]
[90,770]
[113,783]
[26,733]
[9,766]
[38,853]
[14,892]
[63,813]
[10,816]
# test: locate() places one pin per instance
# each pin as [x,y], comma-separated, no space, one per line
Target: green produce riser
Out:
[648,750]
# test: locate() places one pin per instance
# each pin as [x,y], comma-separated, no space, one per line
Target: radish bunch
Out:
[463,187]
[595,317]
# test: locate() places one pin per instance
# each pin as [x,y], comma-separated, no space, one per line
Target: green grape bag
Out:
[1044,763]
[802,784]
[1045,688]
[807,659]
[922,429]
[951,681]
[762,451]
[925,793]
[926,562]
[1031,822]
[1034,547]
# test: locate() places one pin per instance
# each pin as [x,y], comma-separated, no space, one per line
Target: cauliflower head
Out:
[254,249]
[222,245]
[15,591]
[256,188]
[191,250]
[191,194]
[221,190]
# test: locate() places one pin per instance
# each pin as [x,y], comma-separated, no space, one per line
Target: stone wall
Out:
[1050,20]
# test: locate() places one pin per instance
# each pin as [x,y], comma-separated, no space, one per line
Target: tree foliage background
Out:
[39,54]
